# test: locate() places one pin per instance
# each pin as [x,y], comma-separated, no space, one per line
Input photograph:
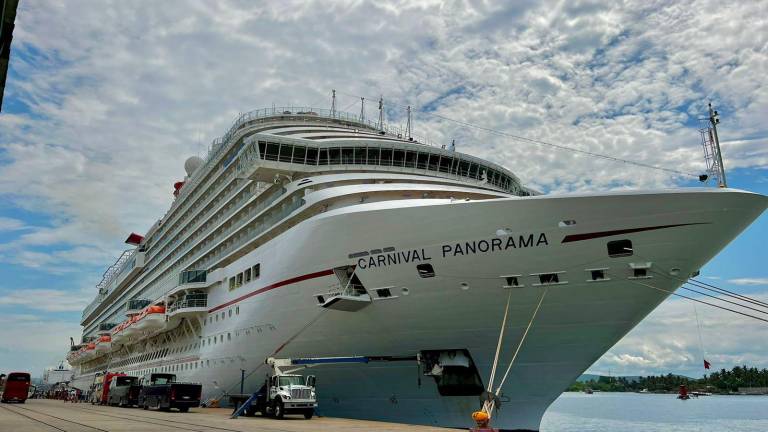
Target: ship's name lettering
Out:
[394,258]
[472,247]
[495,245]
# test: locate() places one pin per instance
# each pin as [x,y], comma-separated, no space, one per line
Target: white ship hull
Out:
[462,306]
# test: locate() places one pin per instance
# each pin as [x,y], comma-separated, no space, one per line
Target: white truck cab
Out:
[291,394]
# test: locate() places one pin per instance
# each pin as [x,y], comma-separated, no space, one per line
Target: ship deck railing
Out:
[188,304]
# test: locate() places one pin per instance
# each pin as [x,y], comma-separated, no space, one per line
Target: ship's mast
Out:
[711,143]
[714,119]
[381,113]
[333,103]
[408,125]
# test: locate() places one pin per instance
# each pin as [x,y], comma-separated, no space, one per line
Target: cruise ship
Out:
[317,233]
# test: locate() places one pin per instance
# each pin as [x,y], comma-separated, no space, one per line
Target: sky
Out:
[106,99]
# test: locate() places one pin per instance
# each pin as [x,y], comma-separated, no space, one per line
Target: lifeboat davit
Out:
[150,319]
[104,344]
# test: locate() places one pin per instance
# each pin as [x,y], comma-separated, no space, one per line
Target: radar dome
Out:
[192,164]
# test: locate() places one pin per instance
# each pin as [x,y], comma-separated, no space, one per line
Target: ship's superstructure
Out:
[307,232]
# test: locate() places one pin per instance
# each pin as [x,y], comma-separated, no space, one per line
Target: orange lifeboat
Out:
[150,319]
[118,337]
[104,344]
[129,329]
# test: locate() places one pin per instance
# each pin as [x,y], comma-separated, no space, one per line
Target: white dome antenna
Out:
[192,164]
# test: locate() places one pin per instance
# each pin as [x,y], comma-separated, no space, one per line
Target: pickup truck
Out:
[161,391]
[124,391]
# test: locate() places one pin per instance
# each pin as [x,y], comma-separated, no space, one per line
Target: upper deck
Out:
[274,144]
[315,140]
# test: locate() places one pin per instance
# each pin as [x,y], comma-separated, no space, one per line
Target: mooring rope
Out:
[490,403]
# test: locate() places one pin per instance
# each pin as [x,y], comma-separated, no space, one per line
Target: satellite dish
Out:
[192,164]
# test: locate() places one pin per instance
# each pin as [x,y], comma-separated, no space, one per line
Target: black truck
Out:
[161,391]
[124,391]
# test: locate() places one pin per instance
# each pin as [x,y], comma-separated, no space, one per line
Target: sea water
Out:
[629,412]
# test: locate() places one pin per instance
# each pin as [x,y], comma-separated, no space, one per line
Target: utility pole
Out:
[714,119]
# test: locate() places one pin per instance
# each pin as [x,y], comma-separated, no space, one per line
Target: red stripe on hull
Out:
[594,235]
[273,286]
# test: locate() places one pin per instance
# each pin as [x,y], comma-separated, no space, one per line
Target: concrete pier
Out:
[44,415]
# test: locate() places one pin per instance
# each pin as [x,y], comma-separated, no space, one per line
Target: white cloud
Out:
[47,300]
[749,281]
[37,343]
[120,93]
[668,340]
[10,224]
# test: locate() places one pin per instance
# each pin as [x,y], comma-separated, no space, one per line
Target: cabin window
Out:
[286,151]
[434,162]
[239,279]
[311,156]
[257,271]
[620,248]
[423,159]
[463,168]
[373,156]
[247,275]
[386,157]
[398,157]
[273,150]
[299,154]
[348,155]
[411,158]
[425,270]
[230,313]
[232,283]
[445,164]
[598,275]
[323,157]
[237,310]
[548,278]
[360,155]
[334,156]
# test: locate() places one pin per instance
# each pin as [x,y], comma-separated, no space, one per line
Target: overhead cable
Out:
[542,142]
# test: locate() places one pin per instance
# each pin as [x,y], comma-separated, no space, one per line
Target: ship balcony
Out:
[189,305]
[135,306]
[191,281]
